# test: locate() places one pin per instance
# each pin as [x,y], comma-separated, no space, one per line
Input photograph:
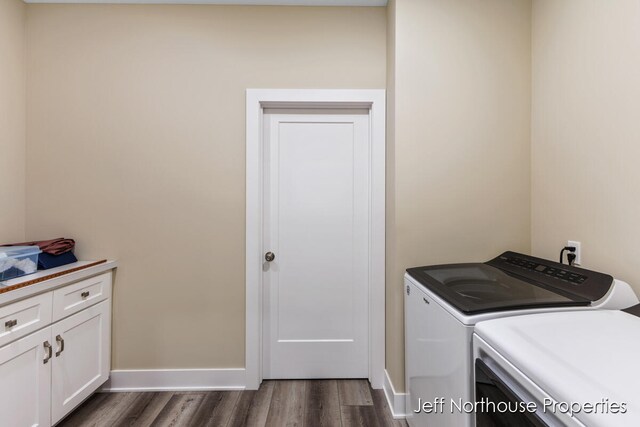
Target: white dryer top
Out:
[579,356]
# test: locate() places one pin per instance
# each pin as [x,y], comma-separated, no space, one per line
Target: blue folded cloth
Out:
[47,261]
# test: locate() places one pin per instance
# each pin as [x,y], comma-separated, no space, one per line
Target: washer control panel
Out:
[568,280]
[558,273]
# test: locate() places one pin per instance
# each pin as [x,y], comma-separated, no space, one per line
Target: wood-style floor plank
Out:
[179,410]
[287,404]
[80,416]
[241,410]
[359,416]
[253,406]
[216,409]
[144,409]
[354,393]
[307,403]
[322,406]
[383,411]
[101,410]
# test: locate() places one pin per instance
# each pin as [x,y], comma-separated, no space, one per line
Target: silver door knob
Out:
[269,256]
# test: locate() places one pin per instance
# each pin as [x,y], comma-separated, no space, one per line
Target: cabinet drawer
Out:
[23,317]
[74,298]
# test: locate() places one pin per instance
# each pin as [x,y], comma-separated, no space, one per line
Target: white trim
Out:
[258,99]
[231,2]
[395,400]
[175,380]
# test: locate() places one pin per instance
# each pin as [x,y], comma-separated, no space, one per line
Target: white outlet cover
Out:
[578,252]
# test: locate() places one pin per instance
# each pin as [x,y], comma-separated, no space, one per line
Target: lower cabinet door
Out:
[25,381]
[81,361]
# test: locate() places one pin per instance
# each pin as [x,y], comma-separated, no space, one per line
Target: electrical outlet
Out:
[578,251]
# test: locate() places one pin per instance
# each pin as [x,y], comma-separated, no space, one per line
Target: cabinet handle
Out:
[60,342]
[49,350]
[426,300]
[10,323]
[85,295]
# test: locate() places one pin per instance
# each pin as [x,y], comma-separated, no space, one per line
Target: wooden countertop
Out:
[79,271]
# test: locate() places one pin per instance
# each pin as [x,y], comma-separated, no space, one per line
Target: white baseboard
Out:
[212,379]
[176,380]
[395,400]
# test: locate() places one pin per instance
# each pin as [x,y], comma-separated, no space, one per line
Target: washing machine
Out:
[558,369]
[443,303]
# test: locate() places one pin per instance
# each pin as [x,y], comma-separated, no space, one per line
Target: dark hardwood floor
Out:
[276,404]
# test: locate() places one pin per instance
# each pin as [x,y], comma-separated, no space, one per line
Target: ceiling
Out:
[231,2]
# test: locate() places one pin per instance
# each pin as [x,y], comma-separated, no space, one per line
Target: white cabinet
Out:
[74,298]
[47,373]
[25,381]
[21,318]
[81,357]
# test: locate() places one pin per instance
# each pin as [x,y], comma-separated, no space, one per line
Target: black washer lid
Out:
[510,282]
[478,288]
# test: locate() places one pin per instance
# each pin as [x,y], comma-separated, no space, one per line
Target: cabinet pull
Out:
[10,323]
[60,342]
[85,295]
[426,300]
[49,350]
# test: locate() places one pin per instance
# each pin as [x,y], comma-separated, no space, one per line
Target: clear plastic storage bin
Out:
[16,261]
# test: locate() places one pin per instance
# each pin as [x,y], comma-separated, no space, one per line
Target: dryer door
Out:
[500,404]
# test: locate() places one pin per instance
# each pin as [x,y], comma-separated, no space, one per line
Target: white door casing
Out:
[316,213]
[372,101]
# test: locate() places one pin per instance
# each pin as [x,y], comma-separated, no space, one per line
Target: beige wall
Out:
[462,139]
[586,132]
[12,120]
[136,143]
[136,148]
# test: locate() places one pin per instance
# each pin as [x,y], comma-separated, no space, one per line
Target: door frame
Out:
[257,100]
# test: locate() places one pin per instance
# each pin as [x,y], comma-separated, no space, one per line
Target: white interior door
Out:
[316,223]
